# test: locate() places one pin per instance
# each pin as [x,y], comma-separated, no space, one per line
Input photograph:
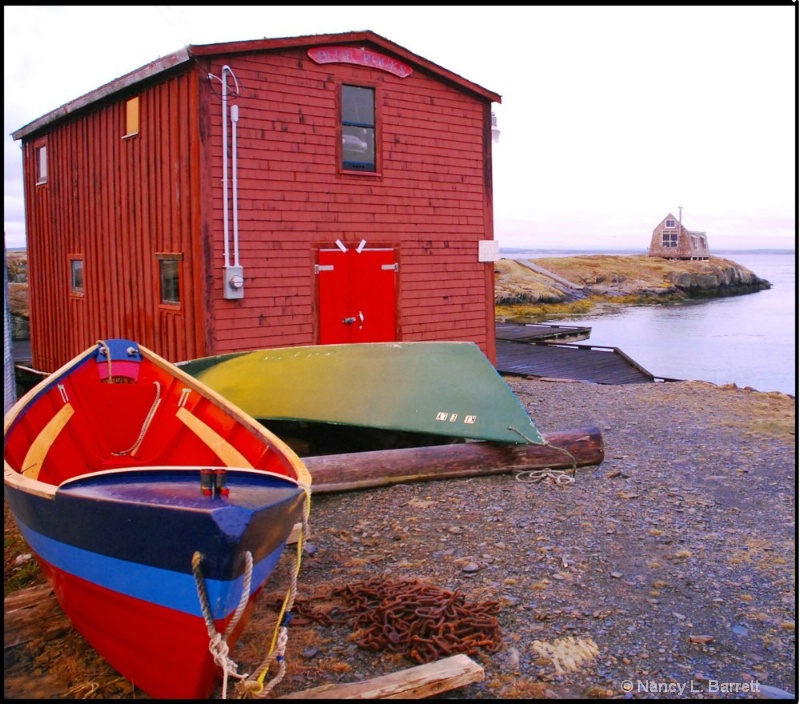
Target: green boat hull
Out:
[438,388]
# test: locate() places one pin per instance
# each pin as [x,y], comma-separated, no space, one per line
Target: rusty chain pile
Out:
[407,616]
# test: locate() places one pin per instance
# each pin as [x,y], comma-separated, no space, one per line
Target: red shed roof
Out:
[191,51]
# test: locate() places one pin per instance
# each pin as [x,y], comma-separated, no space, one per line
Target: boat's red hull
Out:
[161,651]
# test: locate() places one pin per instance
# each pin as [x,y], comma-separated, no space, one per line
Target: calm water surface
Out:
[747,340]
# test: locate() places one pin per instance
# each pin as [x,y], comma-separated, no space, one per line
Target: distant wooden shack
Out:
[671,240]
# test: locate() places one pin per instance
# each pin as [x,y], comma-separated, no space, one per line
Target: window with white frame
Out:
[40,158]
[358,128]
[669,238]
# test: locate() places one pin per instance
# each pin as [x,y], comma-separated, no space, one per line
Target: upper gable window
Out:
[40,156]
[669,223]
[358,128]
[132,117]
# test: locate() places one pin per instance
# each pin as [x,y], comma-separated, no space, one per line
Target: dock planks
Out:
[602,365]
[540,332]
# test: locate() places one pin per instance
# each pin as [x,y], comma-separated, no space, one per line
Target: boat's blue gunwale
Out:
[165,536]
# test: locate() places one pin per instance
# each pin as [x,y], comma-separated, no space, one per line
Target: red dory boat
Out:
[133,483]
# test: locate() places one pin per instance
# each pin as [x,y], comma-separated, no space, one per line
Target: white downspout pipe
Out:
[225,159]
[235,120]
[233,276]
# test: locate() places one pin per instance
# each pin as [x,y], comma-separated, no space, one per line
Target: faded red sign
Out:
[360,57]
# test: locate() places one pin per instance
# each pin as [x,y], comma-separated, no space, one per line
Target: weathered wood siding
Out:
[431,200]
[115,202]
[118,202]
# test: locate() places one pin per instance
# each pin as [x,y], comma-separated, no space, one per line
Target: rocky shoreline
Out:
[529,286]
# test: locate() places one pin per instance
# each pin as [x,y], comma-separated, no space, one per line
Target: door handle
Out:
[349,320]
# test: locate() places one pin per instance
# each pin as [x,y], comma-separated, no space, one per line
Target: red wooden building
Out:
[278,192]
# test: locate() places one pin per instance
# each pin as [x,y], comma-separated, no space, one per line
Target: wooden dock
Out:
[541,332]
[602,365]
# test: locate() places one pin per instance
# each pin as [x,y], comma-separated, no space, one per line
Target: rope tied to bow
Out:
[254,686]
[218,643]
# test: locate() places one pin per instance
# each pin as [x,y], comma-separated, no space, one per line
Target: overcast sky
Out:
[611,117]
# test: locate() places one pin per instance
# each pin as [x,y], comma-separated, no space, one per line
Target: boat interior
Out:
[100,415]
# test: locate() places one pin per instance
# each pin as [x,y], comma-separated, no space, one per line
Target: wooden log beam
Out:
[414,683]
[362,470]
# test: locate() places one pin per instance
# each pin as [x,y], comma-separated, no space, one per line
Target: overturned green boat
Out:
[445,391]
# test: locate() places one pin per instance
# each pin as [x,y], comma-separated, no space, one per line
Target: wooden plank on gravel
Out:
[415,683]
[32,613]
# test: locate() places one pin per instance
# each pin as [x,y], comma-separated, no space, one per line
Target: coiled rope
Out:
[558,476]
[534,476]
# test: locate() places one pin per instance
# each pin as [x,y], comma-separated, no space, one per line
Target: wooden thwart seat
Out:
[44,441]
[230,456]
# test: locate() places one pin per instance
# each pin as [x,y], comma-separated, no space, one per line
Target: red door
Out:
[356,288]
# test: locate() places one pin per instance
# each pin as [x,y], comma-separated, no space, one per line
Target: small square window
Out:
[40,155]
[669,223]
[76,276]
[169,273]
[132,117]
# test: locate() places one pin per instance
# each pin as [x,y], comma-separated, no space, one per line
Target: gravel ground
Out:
[670,566]
[667,571]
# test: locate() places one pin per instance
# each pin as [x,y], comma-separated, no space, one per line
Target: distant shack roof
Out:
[193,51]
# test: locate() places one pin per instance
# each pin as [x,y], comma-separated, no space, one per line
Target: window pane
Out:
[358,148]
[41,163]
[358,106]
[76,275]
[358,128]
[170,281]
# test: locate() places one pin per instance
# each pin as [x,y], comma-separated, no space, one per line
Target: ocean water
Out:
[747,340]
